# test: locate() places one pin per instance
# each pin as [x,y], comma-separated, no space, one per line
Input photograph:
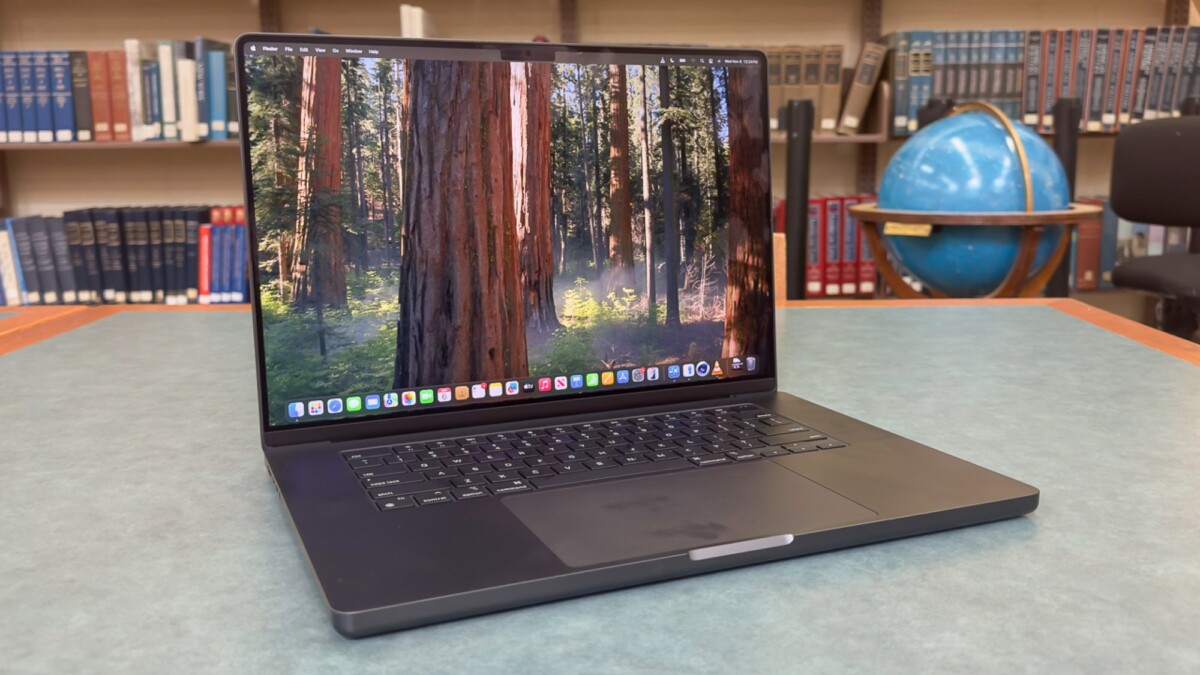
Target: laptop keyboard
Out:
[476,467]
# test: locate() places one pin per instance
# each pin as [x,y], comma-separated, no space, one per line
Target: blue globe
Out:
[968,163]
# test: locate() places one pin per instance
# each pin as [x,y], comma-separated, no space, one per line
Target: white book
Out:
[167,89]
[133,84]
[189,112]
[8,271]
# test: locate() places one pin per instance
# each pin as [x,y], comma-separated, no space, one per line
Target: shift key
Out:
[797,437]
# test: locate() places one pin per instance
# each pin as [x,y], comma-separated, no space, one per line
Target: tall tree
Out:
[597,170]
[585,195]
[747,303]
[648,222]
[383,71]
[530,96]
[461,317]
[620,237]
[670,222]
[721,169]
[319,270]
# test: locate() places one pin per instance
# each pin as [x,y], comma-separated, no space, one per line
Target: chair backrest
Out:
[1156,172]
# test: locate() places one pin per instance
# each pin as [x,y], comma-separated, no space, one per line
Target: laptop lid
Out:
[448,233]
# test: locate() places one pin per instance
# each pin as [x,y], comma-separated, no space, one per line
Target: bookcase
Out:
[50,178]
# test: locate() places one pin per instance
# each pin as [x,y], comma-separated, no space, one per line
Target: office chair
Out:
[1156,179]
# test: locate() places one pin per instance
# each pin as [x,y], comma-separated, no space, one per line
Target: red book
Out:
[779,213]
[101,102]
[1087,251]
[814,266]
[831,234]
[204,259]
[118,96]
[866,260]
[849,247]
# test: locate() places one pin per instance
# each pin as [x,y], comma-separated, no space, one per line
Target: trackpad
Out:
[675,513]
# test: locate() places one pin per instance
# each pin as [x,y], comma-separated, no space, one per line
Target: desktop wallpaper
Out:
[428,222]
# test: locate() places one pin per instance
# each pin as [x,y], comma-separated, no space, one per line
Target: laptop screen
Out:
[441,226]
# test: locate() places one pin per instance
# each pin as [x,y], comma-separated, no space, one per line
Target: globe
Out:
[968,163]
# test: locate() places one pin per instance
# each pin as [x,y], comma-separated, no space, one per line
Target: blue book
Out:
[10,105]
[999,49]
[153,101]
[922,76]
[210,64]
[939,63]
[29,128]
[216,82]
[3,115]
[239,263]
[43,105]
[62,96]
[898,43]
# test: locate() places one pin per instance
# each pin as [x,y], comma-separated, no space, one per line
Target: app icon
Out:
[372,401]
[717,369]
[702,369]
[425,396]
[735,363]
[295,410]
[751,363]
[622,377]
[544,384]
[479,390]
[607,377]
[409,398]
[689,369]
[334,406]
[652,373]
[512,387]
[444,395]
[639,374]
[391,399]
[593,379]
[528,386]
[462,392]
[316,407]
[576,381]
[560,382]
[673,372]
[495,389]
[353,403]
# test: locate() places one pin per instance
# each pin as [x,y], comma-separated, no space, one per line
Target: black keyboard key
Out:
[426,465]
[532,434]
[521,453]
[691,452]
[617,472]
[660,445]
[605,463]
[571,456]
[395,503]
[540,461]
[373,452]
[583,445]
[747,443]
[458,461]
[709,460]
[569,467]
[471,440]
[831,444]
[466,451]
[789,428]
[438,474]
[660,456]
[432,454]
[385,470]
[409,447]
[503,476]
[510,487]
[774,451]
[510,465]
[388,481]
[536,472]
[468,481]
[441,445]
[393,459]
[501,438]
[434,497]
[602,452]
[626,460]
[475,469]
[493,457]
[800,447]
[464,494]
[742,455]
[410,488]
[799,437]
[366,462]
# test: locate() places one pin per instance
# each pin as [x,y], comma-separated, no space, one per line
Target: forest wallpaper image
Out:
[428,222]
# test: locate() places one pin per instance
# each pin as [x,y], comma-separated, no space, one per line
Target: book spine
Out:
[810,80]
[10,270]
[241,256]
[43,100]
[133,92]
[203,113]
[831,237]
[26,262]
[107,287]
[849,246]
[185,91]
[866,75]
[940,47]
[866,259]
[951,90]
[155,242]
[28,97]
[217,257]
[90,278]
[140,231]
[1108,245]
[917,92]
[1141,90]
[1050,52]
[1064,81]
[1031,95]
[1193,88]
[1174,64]
[152,103]
[204,260]
[62,97]
[898,43]
[118,97]
[1129,74]
[180,239]
[1100,58]
[117,256]
[12,97]
[190,260]
[814,267]
[1187,71]
[101,101]
[1112,89]
[43,256]
[831,88]
[218,101]
[232,125]
[1162,49]
[64,267]
[168,90]
[127,235]
[4,108]
[82,96]
[775,98]
[169,250]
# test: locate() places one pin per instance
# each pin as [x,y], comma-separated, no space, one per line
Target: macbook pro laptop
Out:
[515,335]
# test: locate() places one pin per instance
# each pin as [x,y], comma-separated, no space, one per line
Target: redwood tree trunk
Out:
[721,171]
[648,223]
[670,222]
[530,93]
[620,236]
[461,315]
[747,299]
[318,267]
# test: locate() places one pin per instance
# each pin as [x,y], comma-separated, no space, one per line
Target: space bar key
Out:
[604,474]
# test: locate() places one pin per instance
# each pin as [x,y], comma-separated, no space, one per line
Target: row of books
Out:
[171,255]
[814,73]
[1097,247]
[839,261]
[170,90]
[1121,76]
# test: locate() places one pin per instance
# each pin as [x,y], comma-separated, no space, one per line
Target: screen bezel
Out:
[490,412]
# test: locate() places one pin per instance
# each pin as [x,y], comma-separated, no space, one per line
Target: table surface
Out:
[141,533]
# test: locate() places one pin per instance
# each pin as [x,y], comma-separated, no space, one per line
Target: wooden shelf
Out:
[144,145]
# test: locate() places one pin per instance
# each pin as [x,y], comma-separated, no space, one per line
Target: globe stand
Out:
[1018,282]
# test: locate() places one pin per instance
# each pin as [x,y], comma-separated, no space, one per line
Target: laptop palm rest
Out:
[694,512]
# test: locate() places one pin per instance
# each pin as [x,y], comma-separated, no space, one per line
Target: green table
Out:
[140,532]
